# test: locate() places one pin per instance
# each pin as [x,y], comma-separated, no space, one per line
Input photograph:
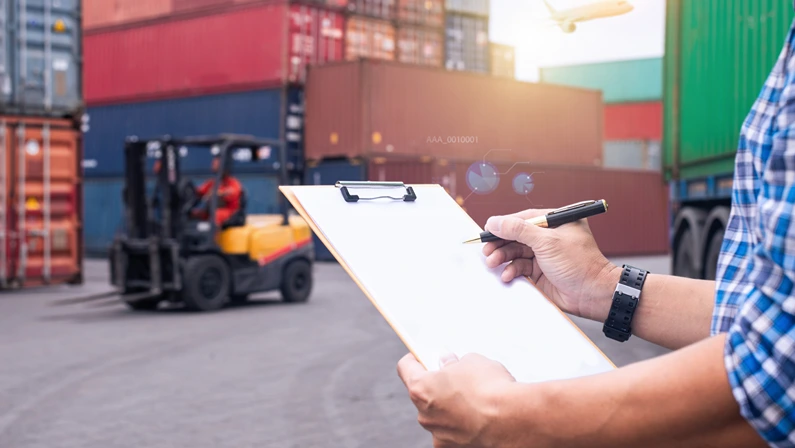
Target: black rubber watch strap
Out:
[626,298]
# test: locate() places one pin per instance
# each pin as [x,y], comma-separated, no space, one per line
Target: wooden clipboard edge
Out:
[288,193]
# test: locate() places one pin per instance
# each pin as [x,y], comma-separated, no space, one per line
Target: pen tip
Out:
[474,240]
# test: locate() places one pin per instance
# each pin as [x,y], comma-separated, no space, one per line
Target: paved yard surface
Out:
[320,374]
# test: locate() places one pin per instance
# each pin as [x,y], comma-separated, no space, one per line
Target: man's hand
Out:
[565,263]
[458,404]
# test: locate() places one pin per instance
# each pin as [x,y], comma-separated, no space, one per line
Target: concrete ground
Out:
[320,374]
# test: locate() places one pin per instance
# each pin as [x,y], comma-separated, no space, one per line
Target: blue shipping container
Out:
[258,113]
[328,173]
[40,57]
[103,214]
[467,43]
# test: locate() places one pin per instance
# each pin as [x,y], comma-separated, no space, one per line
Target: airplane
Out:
[567,19]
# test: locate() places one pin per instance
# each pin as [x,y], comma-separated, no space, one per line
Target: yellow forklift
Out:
[165,253]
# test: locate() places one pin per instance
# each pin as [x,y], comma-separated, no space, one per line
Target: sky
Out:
[523,24]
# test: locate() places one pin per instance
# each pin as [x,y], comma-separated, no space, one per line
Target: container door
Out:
[5,262]
[47,69]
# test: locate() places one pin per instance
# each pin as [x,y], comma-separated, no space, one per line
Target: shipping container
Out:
[633,155]
[715,68]
[634,121]
[369,38]
[620,81]
[420,46]
[467,43]
[472,7]
[231,51]
[104,212]
[257,113]
[380,9]
[105,13]
[503,60]
[623,231]
[40,58]
[40,200]
[447,115]
[428,13]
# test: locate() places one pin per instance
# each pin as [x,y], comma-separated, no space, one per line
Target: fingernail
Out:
[494,223]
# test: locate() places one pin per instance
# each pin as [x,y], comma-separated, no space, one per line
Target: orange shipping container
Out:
[370,108]
[369,38]
[40,202]
[106,13]
[422,12]
[420,46]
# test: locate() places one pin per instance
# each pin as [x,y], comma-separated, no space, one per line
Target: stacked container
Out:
[503,60]
[41,109]
[633,107]
[199,67]
[467,35]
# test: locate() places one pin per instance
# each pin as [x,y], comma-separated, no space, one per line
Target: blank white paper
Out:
[438,293]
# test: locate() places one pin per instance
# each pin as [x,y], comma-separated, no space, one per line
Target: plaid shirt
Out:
[755,301]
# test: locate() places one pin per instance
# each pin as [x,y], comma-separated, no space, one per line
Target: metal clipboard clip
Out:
[410,196]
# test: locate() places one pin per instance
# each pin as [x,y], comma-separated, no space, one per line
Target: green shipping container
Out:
[620,81]
[718,54]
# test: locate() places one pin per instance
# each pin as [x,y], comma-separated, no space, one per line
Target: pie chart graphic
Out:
[523,183]
[482,178]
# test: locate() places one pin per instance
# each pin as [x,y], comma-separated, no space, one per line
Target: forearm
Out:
[681,399]
[672,312]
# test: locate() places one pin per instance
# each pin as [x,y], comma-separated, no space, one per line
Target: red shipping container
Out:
[634,121]
[637,219]
[420,46]
[370,108]
[105,13]
[369,38]
[423,170]
[421,12]
[40,228]
[381,9]
[236,50]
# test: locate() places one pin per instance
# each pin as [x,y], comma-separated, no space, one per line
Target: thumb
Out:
[448,359]
[514,229]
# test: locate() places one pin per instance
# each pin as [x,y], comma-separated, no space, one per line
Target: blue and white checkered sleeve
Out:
[760,350]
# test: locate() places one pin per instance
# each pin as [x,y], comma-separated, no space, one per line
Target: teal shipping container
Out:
[103,214]
[718,54]
[620,81]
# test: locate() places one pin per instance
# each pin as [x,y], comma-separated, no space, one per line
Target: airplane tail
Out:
[549,7]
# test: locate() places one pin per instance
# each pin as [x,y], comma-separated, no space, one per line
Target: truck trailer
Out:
[718,55]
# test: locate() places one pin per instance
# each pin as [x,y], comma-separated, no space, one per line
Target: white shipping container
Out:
[633,155]
[476,7]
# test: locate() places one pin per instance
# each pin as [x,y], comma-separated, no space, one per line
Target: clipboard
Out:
[327,210]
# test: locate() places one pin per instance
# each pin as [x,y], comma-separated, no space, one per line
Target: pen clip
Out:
[571,207]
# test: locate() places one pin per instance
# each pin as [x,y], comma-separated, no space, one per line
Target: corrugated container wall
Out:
[634,121]
[40,201]
[620,82]
[428,115]
[255,113]
[420,46]
[369,38]
[467,43]
[721,64]
[104,219]
[503,60]
[428,13]
[193,60]
[106,13]
[472,7]
[633,155]
[40,62]
[381,9]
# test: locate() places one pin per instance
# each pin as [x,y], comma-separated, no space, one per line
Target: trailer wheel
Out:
[297,281]
[713,253]
[207,283]
[683,256]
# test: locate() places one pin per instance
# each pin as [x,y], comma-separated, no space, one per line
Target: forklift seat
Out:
[238,219]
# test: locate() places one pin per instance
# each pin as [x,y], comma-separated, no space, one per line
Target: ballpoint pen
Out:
[555,218]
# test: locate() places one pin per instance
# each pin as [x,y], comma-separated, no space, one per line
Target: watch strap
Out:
[626,297]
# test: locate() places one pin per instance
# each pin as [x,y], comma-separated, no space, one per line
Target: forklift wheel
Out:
[207,283]
[143,305]
[297,281]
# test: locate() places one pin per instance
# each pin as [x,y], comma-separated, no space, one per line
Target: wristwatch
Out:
[626,298]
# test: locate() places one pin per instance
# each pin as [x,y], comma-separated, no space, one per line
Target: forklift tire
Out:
[143,305]
[297,282]
[207,283]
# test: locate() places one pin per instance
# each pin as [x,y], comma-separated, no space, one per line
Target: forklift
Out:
[167,253]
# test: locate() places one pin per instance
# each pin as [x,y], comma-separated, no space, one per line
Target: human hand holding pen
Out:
[565,262]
